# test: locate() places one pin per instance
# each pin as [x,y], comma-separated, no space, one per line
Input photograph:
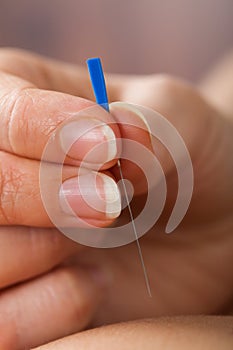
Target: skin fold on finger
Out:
[29,114]
[180,333]
[46,73]
[27,252]
[68,196]
[49,307]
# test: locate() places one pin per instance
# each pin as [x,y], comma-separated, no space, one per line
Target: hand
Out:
[38,280]
[189,270]
[43,296]
[161,334]
[179,265]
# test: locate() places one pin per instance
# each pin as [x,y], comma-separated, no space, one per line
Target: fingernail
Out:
[132,115]
[92,195]
[111,196]
[89,140]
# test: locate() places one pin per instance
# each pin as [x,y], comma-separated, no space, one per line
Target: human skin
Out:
[190,270]
[176,333]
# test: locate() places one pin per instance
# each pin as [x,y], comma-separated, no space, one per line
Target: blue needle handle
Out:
[98,82]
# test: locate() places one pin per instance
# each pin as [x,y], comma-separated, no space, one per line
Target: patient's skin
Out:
[68,287]
[177,333]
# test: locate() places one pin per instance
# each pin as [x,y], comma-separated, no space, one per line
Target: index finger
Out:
[30,118]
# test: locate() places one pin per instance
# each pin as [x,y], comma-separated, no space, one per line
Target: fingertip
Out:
[90,138]
[132,122]
[91,196]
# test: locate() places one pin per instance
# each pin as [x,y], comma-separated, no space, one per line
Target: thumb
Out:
[138,144]
[149,143]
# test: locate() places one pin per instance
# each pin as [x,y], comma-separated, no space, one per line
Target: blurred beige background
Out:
[181,37]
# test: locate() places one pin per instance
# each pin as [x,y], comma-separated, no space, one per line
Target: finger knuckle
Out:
[11,181]
[144,89]
[15,105]
[165,84]
[10,58]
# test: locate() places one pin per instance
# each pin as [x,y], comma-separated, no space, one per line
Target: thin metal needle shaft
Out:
[99,87]
[135,231]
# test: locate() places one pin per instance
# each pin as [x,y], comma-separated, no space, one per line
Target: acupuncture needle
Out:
[99,87]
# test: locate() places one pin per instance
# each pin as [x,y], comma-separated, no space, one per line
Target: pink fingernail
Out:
[79,138]
[93,195]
